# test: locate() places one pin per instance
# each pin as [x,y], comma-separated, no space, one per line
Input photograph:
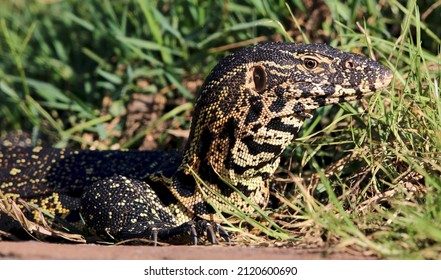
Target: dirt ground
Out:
[39,250]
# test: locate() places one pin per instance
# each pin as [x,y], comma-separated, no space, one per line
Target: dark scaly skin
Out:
[250,109]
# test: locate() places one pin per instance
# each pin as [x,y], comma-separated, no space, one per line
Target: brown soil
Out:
[40,250]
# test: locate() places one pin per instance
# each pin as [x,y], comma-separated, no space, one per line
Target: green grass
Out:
[69,68]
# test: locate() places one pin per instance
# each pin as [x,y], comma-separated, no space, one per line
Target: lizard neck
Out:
[240,147]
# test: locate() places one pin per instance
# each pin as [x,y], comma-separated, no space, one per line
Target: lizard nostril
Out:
[349,64]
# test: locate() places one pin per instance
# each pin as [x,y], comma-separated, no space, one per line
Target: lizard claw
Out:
[194,235]
[189,232]
[155,237]
[210,229]
[223,233]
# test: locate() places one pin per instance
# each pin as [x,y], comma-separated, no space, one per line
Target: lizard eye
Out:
[310,63]
[259,78]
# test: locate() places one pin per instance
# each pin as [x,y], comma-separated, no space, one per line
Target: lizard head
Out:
[254,102]
[317,75]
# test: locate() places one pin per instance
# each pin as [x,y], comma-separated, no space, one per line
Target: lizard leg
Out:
[120,208]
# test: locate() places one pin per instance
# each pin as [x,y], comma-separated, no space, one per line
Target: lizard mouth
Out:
[334,90]
[368,88]
[383,81]
[327,94]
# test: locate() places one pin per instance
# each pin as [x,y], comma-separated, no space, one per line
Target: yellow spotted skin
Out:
[250,109]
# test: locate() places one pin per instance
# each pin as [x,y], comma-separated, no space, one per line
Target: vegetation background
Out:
[125,74]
